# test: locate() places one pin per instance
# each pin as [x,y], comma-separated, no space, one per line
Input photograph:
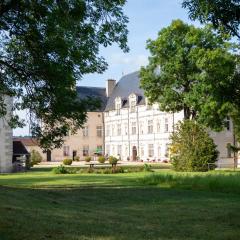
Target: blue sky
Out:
[146,19]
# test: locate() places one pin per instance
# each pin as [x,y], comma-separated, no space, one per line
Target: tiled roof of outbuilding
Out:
[94,92]
[126,85]
[19,148]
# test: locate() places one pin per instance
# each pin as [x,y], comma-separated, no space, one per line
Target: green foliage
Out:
[192,148]
[35,157]
[77,158]
[222,14]
[45,41]
[88,159]
[101,159]
[147,168]
[60,170]
[67,161]
[112,160]
[192,69]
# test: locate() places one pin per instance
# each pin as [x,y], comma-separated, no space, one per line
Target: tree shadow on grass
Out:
[117,213]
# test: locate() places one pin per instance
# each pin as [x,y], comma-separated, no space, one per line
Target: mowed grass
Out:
[41,205]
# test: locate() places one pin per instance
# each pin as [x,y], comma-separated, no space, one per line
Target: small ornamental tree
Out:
[192,148]
[35,157]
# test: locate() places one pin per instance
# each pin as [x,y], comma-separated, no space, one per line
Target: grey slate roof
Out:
[126,85]
[93,92]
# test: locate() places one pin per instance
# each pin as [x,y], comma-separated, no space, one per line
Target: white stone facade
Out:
[135,130]
[6,141]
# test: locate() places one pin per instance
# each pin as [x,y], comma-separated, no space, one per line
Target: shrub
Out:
[88,159]
[35,157]
[118,170]
[101,159]
[60,170]
[192,148]
[147,168]
[112,160]
[67,161]
[77,158]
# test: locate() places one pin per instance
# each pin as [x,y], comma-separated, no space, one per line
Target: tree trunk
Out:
[187,113]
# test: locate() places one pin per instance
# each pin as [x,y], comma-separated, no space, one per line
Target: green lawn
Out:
[41,205]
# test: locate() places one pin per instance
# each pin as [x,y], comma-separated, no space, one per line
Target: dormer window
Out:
[118,105]
[132,103]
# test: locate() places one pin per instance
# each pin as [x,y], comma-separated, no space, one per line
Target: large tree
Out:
[46,46]
[223,14]
[191,69]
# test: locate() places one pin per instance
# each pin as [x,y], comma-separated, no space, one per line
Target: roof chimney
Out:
[110,86]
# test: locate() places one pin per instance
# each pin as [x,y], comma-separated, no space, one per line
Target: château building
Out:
[136,130]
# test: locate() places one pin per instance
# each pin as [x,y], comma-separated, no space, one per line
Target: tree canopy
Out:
[46,46]
[191,69]
[223,14]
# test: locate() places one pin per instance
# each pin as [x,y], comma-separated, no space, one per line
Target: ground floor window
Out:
[142,151]
[150,150]
[229,151]
[167,150]
[86,150]
[66,151]
[108,149]
[119,150]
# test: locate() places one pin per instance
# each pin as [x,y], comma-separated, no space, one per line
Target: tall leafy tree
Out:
[46,46]
[191,69]
[223,14]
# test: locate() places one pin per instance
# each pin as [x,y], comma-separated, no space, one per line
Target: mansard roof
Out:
[127,85]
[93,92]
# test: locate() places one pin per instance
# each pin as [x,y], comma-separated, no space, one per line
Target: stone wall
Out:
[6,141]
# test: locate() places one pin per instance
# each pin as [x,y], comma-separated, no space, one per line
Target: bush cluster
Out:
[35,158]
[60,170]
[67,161]
[88,159]
[101,159]
[112,160]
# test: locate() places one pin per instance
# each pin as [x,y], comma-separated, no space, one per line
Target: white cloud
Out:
[136,61]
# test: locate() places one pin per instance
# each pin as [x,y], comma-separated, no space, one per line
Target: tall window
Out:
[126,150]
[150,150]
[158,126]
[126,128]
[229,151]
[133,106]
[141,128]
[108,149]
[85,131]
[119,129]
[142,151]
[167,150]
[99,131]
[113,130]
[228,124]
[85,150]
[108,130]
[118,107]
[150,126]
[166,125]
[134,128]
[119,150]
[66,151]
